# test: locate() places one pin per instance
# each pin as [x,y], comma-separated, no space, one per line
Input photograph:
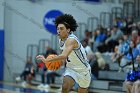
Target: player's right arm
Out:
[69,46]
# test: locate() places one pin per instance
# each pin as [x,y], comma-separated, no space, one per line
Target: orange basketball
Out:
[53,65]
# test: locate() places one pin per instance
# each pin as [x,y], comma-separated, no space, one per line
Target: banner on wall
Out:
[1,54]
[49,19]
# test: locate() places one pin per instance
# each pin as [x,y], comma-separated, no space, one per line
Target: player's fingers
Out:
[39,56]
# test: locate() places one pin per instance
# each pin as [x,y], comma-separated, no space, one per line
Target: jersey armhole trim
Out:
[79,45]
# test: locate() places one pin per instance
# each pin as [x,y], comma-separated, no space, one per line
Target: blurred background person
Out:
[132,82]
[47,76]
[28,73]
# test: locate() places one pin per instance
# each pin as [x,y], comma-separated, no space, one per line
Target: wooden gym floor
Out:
[17,88]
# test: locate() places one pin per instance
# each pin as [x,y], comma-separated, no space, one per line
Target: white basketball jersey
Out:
[77,60]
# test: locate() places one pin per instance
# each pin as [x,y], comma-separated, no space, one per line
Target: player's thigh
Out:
[68,82]
[82,90]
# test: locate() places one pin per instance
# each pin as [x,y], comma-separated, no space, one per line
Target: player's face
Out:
[62,31]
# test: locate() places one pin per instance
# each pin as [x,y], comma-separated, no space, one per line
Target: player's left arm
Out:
[69,46]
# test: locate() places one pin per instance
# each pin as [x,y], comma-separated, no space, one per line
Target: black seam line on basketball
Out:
[49,64]
[57,66]
[52,67]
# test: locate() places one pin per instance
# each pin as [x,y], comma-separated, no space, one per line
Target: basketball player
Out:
[77,66]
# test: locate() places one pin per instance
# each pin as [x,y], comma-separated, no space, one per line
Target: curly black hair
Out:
[68,21]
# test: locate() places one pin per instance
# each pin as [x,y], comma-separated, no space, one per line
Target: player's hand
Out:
[41,57]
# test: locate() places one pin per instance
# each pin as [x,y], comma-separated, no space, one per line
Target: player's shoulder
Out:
[70,40]
[73,37]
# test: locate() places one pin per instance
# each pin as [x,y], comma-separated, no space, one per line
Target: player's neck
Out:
[65,38]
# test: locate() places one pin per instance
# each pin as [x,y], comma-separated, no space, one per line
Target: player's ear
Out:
[68,30]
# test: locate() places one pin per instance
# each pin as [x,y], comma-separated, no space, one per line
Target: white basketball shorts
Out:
[83,79]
